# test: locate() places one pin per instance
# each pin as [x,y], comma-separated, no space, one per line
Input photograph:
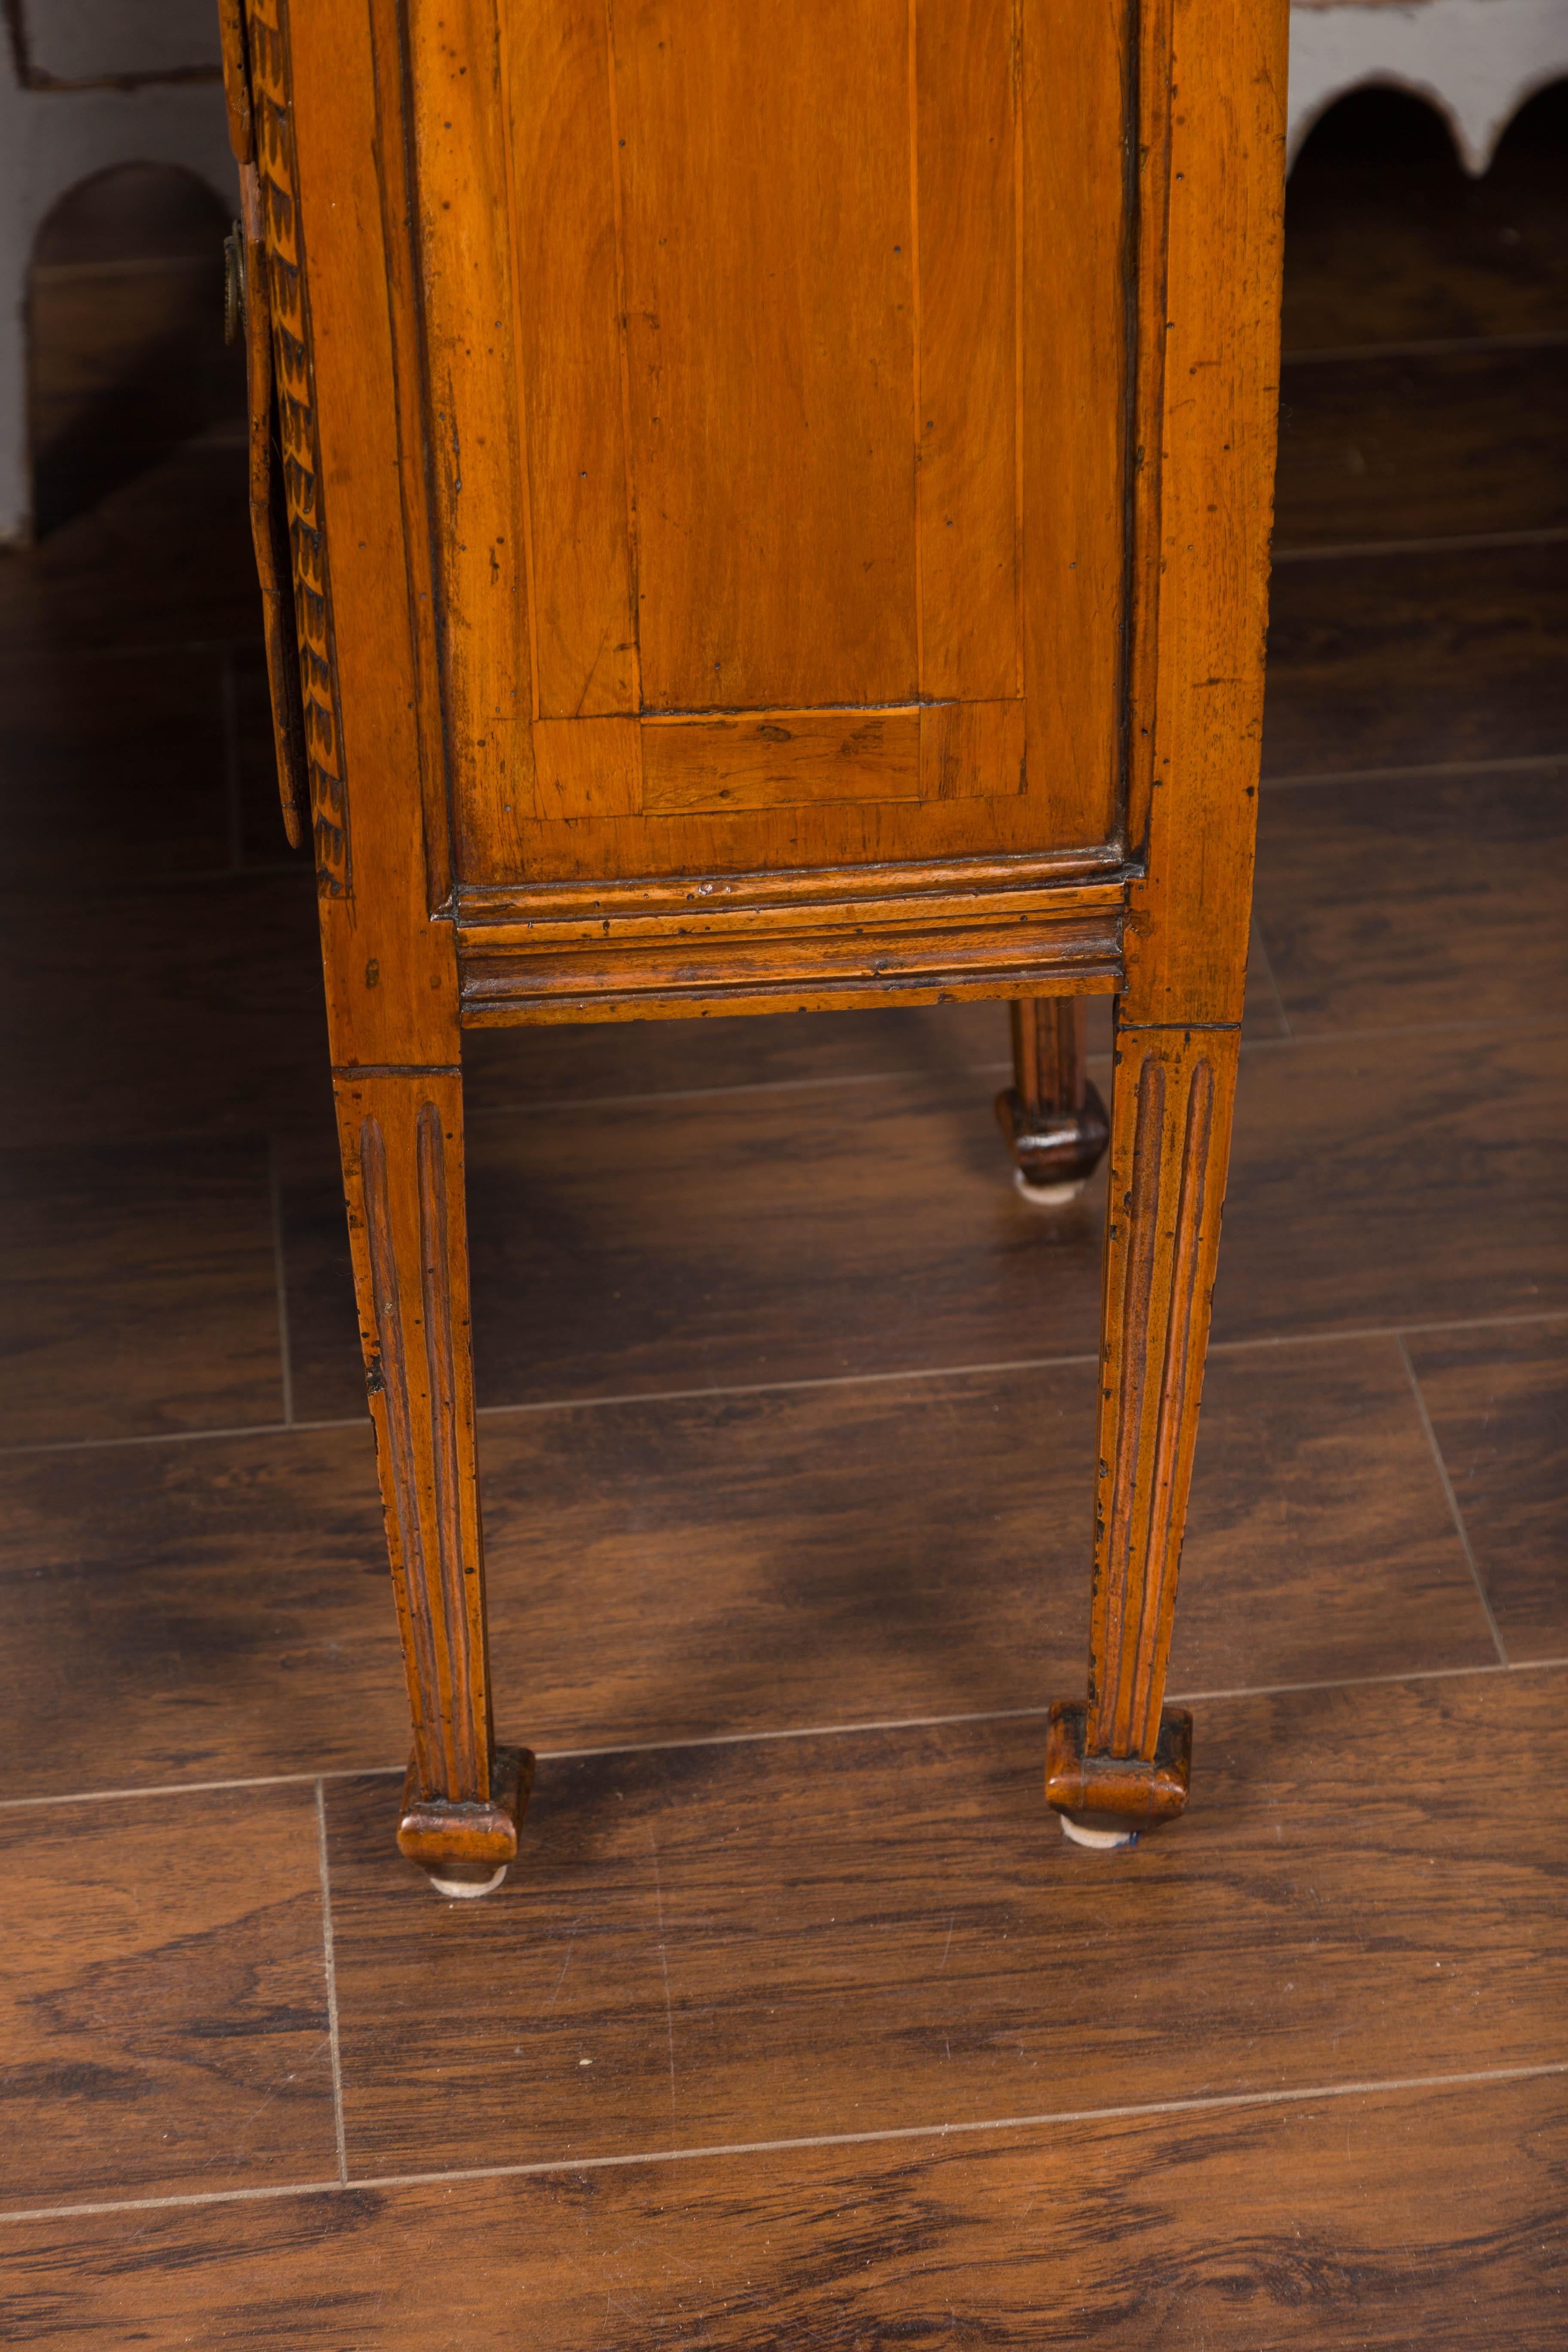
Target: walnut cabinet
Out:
[764,507]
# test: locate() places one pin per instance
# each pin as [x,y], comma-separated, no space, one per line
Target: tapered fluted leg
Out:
[401,1138]
[1119,1760]
[1052,1117]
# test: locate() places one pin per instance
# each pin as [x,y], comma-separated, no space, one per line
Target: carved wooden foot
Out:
[465,1847]
[1053,1119]
[402,1137]
[1120,1760]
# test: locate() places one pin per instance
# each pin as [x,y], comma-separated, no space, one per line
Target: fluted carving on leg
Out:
[1170,1142]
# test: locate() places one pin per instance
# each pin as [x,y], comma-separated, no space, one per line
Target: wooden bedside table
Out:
[766,507]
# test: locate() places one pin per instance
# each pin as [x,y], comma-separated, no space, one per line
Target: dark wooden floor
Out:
[797,2025]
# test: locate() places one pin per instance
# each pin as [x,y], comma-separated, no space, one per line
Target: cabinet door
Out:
[775,393]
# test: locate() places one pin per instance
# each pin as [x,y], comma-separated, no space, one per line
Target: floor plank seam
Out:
[329,1964]
[1461,1530]
[1457,544]
[1519,764]
[1434,347]
[861,1727]
[716,1393]
[1260,949]
[228,706]
[280,1281]
[1211,2103]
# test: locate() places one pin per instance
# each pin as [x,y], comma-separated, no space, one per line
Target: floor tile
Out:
[677,1571]
[1408,659]
[114,769]
[1422,446]
[164,1996]
[226,1601]
[1378,2219]
[1386,1180]
[141,1290]
[833,1230]
[571,1063]
[1415,900]
[813,1232]
[164,564]
[1499,1402]
[136,1015]
[734,1944]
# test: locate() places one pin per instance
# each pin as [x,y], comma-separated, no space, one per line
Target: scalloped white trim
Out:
[1475,61]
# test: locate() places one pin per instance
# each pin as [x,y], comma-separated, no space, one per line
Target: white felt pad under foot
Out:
[1048,1196]
[1083,1830]
[465,1889]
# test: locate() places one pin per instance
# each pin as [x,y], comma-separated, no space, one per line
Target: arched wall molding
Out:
[1475,62]
[50,141]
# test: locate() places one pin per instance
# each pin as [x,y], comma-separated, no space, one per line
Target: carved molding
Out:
[268,42]
[1169,1150]
[735,942]
[418,1431]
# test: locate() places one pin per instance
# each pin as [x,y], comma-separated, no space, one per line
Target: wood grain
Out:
[968,135]
[1338,2220]
[772,321]
[675,1570]
[1405,660]
[730,1980]
[1073,409]
[777,757]
[388,968]
[1432,899]
[165,2011]
[1499,1402]
[562,162]
[142,1291]
[1201,545]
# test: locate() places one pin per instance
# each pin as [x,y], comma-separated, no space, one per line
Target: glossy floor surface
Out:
[797,2023]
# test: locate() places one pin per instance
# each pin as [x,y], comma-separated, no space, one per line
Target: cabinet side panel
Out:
[967,231]
[766,196]
[1074,67]
[562,178]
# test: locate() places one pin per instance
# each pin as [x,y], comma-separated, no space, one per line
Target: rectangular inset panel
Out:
[972,751]
[765,186]
[780,759]
[587,767]
[1074,72]
[556,68]
[968,153]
